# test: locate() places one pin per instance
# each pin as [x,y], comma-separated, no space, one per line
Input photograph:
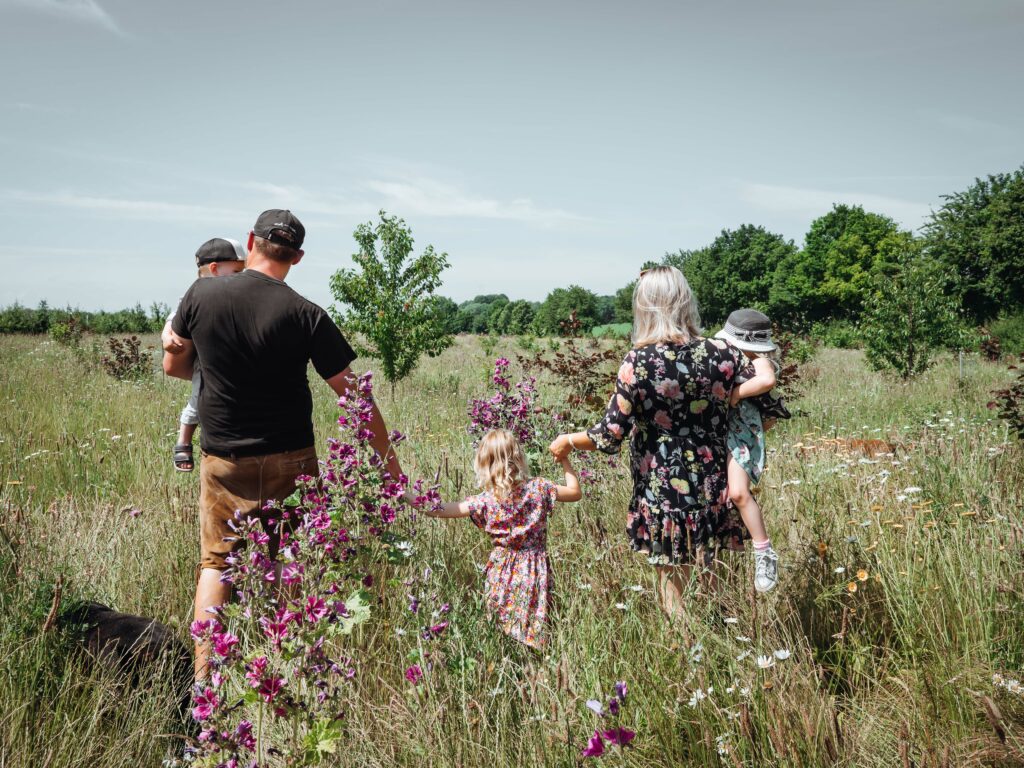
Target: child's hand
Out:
[171,342]
[560,448]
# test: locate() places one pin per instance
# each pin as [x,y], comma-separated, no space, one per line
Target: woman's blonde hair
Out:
[500,463]
[664,308]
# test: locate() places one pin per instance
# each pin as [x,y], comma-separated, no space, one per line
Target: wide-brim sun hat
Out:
[748,330]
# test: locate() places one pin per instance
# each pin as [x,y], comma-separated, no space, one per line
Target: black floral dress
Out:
[674,399]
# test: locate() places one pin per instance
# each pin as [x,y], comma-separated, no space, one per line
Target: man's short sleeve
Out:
[328,350]
[180,317]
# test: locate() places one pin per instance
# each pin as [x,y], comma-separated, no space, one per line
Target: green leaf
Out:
[358,607]
[322,739]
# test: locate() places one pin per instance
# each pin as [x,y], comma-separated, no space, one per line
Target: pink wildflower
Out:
[595,747]
[223,643]
[205,703]
[270,687]
[620,736]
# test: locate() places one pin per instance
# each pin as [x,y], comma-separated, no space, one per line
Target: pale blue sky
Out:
[538,143]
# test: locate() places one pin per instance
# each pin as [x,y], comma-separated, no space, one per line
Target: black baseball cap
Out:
[281,227]
[219,249]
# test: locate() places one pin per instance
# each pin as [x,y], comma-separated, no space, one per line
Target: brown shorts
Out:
[245,485]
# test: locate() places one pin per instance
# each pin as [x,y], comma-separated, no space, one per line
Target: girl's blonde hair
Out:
[500,463]
[664,308]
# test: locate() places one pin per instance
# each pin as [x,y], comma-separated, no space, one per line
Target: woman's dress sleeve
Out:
[620,415]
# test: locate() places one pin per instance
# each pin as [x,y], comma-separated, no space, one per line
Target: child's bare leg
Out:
[750,510]
[185,433]
[766,562]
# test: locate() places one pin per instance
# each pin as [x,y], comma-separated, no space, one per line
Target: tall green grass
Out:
[898,672]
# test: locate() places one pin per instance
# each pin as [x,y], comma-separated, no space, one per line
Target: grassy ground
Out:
[901,594]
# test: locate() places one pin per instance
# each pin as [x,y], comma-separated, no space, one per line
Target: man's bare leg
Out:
[210,592]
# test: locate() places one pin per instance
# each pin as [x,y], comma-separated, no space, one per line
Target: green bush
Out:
[489,343]
[801,349]
[841,334]
[1010,332]
[911,317]
[67,333]
[527,343]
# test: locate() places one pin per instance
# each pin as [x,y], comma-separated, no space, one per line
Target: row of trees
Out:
[974,241]
[913,292]
[973,244]
[44,318]
[496,313]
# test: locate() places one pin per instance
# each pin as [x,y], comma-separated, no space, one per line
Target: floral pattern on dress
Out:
[746,425]
[746,439]
[518,573]
[672,402]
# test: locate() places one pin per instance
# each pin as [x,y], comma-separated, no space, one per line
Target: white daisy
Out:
[765,661]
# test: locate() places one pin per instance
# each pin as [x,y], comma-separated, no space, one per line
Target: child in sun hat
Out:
[513,509]
[217,257]
[751,332]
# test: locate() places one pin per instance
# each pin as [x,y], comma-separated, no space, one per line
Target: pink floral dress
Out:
[518,575]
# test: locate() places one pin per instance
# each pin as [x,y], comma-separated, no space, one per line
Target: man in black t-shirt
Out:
[256,337]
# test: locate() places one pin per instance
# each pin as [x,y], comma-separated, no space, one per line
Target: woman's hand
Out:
[560,448]
[734,396]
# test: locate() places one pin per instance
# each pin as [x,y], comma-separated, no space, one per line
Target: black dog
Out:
[136,647]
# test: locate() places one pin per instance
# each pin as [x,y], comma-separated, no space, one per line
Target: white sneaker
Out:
[766,569]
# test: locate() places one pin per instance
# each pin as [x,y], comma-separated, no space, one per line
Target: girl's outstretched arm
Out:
[763,381]
[449,509]
[571,490]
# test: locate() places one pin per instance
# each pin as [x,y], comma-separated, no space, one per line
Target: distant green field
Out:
[619,330]
[902,590]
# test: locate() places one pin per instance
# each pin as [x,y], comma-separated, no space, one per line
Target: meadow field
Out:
[895,637]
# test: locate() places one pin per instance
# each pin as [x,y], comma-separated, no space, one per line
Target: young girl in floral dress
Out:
[513,509]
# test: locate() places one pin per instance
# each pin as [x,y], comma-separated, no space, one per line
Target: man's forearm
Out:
[382,443]
[179,365]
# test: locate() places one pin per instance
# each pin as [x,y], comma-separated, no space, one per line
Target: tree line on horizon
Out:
[971,250]
[973,245]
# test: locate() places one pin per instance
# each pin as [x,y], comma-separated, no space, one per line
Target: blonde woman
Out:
[513,509]
[671,400]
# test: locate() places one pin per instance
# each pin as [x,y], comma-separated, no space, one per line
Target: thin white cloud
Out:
[155,210]
[815,202]
[304,201]
[429,197]
[84,11]
[410,196]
